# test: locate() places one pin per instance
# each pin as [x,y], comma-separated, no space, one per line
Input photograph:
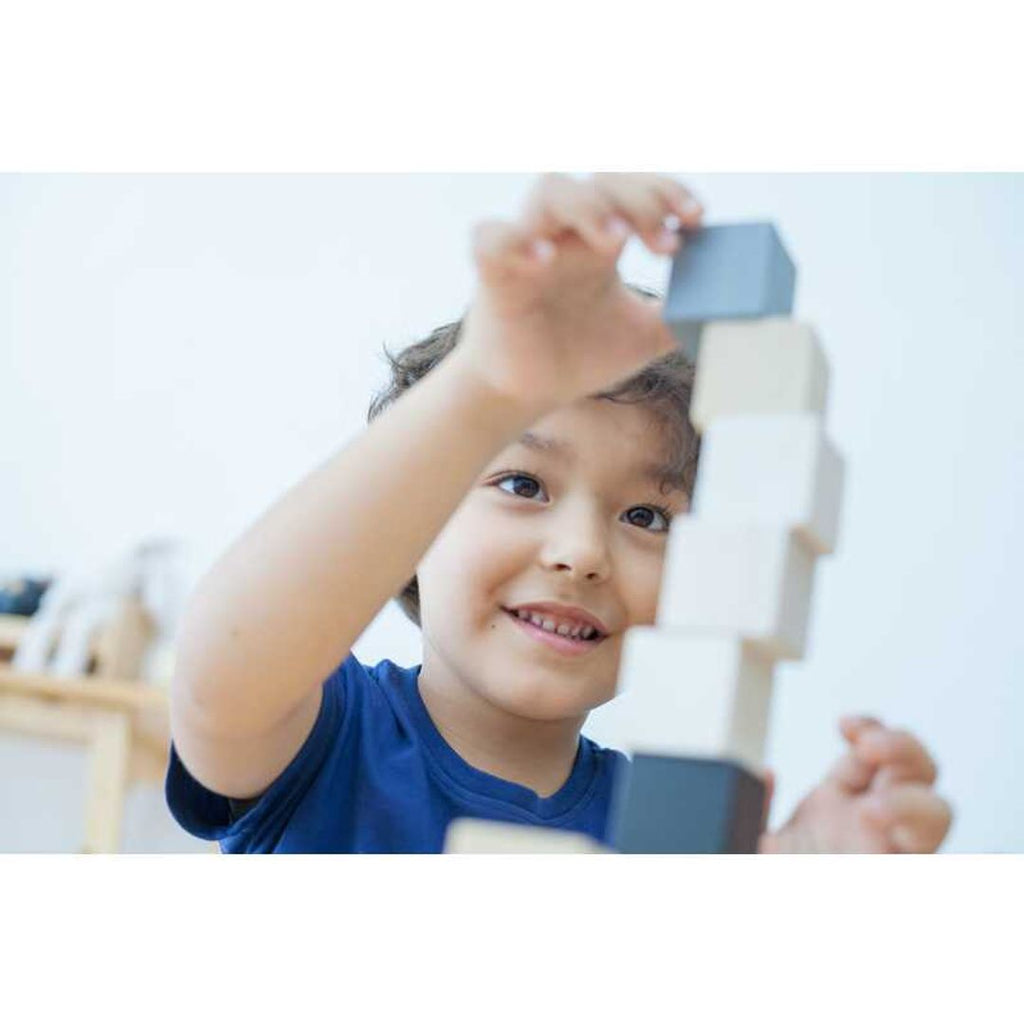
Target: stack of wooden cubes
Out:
[695,690]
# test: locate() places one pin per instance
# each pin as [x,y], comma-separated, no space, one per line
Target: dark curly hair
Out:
[665,385]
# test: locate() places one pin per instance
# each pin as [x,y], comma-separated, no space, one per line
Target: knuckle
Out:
[598,199]
[897,741]
[679,197]
[652,212]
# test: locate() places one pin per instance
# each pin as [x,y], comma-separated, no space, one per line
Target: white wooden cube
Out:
[685,694]
[777,470]
[771,365]
[752,582]
[476,835]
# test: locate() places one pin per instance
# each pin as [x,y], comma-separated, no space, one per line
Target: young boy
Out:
[284,742]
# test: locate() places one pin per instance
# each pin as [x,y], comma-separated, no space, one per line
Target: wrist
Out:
[505,411]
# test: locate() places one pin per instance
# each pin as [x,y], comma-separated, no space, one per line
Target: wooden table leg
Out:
[108,777]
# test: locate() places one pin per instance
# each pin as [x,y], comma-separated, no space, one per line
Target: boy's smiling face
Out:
[569,517]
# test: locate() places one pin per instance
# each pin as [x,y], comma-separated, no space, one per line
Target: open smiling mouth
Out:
[564,644]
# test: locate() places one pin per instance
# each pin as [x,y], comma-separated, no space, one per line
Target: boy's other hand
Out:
[878,798]
[551,321]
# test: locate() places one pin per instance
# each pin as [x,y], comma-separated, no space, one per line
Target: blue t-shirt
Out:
[376,776]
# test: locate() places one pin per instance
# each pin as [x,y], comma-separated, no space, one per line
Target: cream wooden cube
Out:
[748,581]
[777,470]
[685,694]
[476,835]
[770,365]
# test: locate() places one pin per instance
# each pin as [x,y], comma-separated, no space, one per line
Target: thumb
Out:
[498,246]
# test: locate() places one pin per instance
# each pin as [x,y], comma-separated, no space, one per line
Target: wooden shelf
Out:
[124,725]
[100,692]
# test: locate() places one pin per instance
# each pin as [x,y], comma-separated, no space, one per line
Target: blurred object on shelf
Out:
[116,619]
[12,629]
[22,596]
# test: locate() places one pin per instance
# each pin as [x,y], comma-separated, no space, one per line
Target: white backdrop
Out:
[177,350]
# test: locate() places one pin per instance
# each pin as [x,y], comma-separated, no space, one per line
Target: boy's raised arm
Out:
[278,612]
[551,322]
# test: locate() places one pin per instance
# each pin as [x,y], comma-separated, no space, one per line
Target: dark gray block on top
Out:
[727,272]
[686,805]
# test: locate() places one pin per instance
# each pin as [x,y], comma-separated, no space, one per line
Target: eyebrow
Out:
[654,472]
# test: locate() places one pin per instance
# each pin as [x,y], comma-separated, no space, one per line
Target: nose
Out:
[577,544]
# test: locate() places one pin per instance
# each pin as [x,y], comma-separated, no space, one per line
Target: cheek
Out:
[641,589]
[468,568]
[649,604]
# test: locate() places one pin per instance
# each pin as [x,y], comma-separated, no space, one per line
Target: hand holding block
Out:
[727,272]
[686,805]
[473,835]
[750,582]
[690,694]
[776,470]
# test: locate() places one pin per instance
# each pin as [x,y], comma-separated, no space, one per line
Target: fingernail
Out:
[543,250]
[691,206]
[617,226]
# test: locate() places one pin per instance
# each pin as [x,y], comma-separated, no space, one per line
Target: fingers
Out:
[851,773]
[655,205]
[852,726]
[879,756]
[605,208]
[896,754]
[915,817]
[559,203]
[499,247]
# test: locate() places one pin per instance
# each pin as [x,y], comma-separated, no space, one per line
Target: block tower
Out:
[736,588]
[695,689]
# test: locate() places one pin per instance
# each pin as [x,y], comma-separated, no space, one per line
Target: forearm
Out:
[283,605]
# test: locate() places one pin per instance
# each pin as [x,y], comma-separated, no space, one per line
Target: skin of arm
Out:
[281,608]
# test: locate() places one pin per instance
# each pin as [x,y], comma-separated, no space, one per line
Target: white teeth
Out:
[575,632]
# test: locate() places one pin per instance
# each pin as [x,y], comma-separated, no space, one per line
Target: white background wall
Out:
[177,350]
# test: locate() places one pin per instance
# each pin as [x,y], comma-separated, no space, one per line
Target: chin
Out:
[548,698]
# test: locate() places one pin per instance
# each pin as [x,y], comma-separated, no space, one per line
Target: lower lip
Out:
[564,644]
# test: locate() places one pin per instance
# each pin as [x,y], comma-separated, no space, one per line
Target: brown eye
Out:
[652,511]
[517,488]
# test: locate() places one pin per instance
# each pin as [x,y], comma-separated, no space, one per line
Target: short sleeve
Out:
[207,814]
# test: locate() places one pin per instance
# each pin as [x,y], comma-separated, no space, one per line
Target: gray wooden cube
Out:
[727,272]
[686,805]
